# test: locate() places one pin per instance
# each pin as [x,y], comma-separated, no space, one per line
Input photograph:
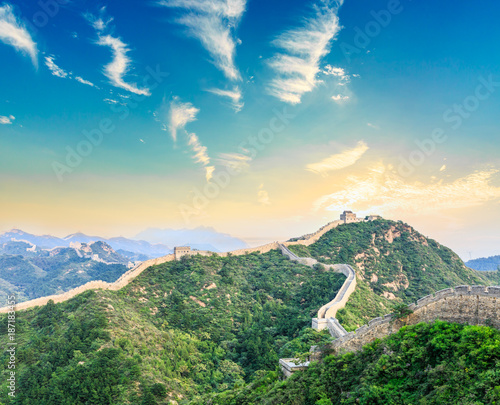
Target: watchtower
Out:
[180,251]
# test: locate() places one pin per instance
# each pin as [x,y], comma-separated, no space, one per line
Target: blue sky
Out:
[221,70]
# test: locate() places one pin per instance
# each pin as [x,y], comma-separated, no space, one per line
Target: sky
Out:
[262,119]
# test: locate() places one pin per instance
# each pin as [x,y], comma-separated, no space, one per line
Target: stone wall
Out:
[125,278]
[131,274]
[328,310]
[474,305]
[314,237]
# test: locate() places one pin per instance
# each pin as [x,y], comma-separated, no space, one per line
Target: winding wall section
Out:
[326,314]
[131,274]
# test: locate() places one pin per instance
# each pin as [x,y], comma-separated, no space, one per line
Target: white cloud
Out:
[298,66]
[60,72]
[99,23]
[201,155]
[13,32]
[263,196]
[56,70]
[110,101]
[235,161]
[6,120]
[443,168]
[234,95]
[337,72]
[339,161]
[372,125]
[118,68]
[120,65]
[340,98]
[180,115]
[212,22]
[382,190]
[83,81]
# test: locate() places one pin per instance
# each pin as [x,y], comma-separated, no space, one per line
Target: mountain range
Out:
[148,244]
[136,250]
[29,272]
[491,263]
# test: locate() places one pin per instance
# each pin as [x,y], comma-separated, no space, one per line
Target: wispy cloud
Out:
[100,22]
[213,22]
[200,155]
[180,115]
[60,72]
[119,66]
[56,70]
[13,32]
[235,161]
[234,95]
[6,120]
[383,190]
[340,98]
[303,48]
[116,70]
[83,81]
[373,125]
[263,196]
[340,160]
[337,72]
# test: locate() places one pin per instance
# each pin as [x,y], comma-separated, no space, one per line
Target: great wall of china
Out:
[131,274]
[475,305]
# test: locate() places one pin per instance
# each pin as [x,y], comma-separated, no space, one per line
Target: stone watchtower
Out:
[348,217]
[180,251]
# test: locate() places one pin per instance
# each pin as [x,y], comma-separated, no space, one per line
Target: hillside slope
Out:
[185,329]
[393,262]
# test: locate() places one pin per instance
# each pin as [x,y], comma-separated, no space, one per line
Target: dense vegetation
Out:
[440,363]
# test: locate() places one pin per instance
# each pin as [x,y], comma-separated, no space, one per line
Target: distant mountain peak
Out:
[17,231]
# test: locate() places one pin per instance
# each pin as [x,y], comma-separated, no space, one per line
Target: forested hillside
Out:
[491,263]
[440,363]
